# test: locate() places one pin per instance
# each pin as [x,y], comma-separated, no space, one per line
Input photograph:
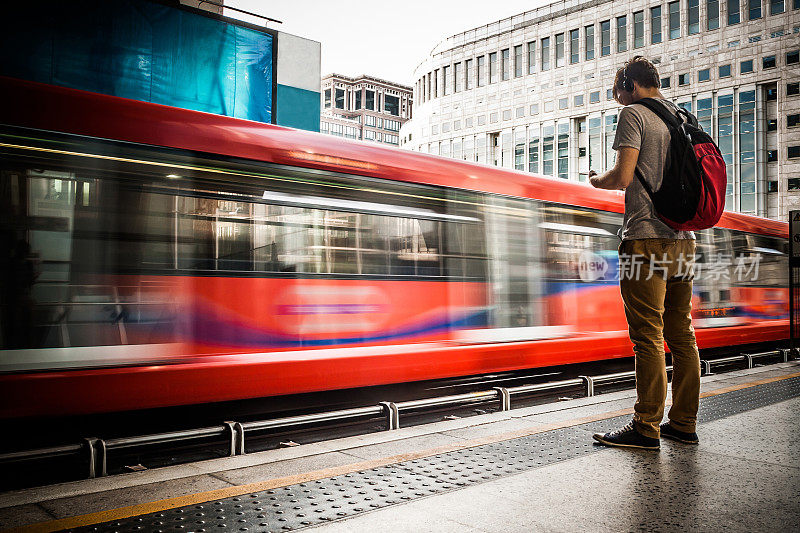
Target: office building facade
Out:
[364,108]
[533,92]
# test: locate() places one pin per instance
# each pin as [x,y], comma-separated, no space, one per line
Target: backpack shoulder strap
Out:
[661,111]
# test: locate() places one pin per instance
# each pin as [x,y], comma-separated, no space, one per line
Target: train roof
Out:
[52,108]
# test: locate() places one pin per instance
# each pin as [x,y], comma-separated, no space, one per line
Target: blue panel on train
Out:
[141,50]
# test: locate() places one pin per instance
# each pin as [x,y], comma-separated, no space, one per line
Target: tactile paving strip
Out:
[306,504]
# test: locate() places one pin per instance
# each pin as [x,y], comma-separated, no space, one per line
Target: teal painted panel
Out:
[298,108]
[141,50]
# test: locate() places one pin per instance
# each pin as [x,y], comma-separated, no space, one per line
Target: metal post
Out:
[392,415]
[707,365]
[102,456]
[92,473]
[749,359]
[589,385]
[505,398]
[236,438]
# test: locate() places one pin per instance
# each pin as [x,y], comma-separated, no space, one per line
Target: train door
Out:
[581,281]
[712,282]
[514,294]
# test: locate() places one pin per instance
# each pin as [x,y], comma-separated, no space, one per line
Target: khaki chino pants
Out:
[659,309]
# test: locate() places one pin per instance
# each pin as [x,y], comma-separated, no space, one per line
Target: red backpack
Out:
[692,192]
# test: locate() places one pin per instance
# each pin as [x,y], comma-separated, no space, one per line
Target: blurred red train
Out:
[155,256]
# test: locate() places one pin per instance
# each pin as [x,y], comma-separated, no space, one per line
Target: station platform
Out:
[528,469]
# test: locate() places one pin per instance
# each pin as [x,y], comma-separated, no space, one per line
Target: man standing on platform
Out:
[657,293]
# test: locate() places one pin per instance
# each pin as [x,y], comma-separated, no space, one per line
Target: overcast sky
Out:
[382,39]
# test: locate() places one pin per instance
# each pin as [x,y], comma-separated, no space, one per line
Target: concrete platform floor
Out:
[744,475]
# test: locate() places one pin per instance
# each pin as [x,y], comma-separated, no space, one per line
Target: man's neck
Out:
[647,93]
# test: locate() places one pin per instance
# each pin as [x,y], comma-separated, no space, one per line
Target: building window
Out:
[594,97]
[792,89]
[588,33]
[534,109]
[683,79]
[772,186]
[545,53]
[638,29]
[793,57]
[574,46]
[724,71]
[493,117]
[772,94]
[622,33]
[793,152]
[712,14]
[533,153]
[605,38]
[793,184]
[479,71]
[725,140]
[655,25]
[772,124]
[506,114]
[693,24]
[559,50]
[436,83]
[776,7]
[704,75]
[563,103]
[505,58]
[548,106]
[705,114]
[792,121]
[391,104]
[674,10]
[746,66]
[747,151]
[457,81]
[446,80]
[327,98]
[519,113]
[338,101]
[493,67]
[609,94]
[531,57]
[578,100]
[563,150]
[468,74]
[768,62]
[665,82]
[753,9]
[481,120]
[547,150]
[518,61]
[733,12]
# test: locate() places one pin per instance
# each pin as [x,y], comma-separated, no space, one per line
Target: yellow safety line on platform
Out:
[239,490]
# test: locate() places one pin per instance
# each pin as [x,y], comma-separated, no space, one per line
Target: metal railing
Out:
[96,450]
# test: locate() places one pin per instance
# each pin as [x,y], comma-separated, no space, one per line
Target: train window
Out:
[91,235]
[759,260]
[582,244]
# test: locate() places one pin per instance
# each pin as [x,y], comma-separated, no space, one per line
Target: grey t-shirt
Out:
[640,128]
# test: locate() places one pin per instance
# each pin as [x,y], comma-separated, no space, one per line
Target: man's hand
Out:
[593,179]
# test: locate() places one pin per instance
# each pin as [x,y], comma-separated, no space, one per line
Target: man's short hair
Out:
[637,69]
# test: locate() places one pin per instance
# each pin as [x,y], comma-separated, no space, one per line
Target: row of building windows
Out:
[568,148]
[352,132]
[391,104]
[472,73]
[792,89]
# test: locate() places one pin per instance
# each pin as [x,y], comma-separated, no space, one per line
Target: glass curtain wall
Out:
[563,150]
[725,141]
[747,151]
[547,150]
